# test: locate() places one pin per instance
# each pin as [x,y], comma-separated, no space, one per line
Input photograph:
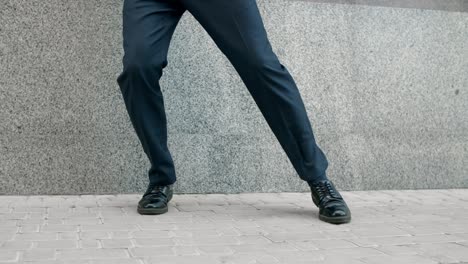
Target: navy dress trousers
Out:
[238,31]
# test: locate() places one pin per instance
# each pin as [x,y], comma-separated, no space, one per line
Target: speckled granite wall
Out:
[386,89]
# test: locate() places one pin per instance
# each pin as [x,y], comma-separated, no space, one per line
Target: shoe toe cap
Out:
[338,212]
[152,203]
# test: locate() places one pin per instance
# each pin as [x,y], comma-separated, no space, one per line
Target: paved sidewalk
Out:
[403,227]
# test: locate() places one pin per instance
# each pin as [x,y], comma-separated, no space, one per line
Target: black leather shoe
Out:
[155,199]
[332,207]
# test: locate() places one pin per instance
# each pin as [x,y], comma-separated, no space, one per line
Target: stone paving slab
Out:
[388,226]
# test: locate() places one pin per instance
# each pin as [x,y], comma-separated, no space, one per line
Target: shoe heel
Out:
[314,200]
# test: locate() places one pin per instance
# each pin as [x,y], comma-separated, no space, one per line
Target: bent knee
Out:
[141,67]
[140,57]
[263,63]
[134,64]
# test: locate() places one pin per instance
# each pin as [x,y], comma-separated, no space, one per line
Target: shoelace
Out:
[325,189]
[156,190]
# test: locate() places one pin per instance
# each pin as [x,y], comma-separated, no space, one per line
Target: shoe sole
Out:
[335,220]
[152,211]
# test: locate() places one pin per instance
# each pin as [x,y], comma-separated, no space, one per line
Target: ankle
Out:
[316,180]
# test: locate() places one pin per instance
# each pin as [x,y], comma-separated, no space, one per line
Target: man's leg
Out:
[237,29]
[148,26]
